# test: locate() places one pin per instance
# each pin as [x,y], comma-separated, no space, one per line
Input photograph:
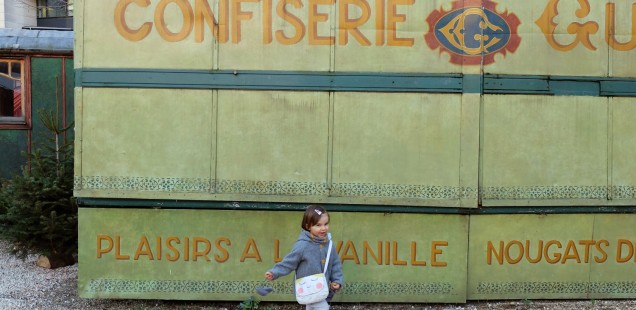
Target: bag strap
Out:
[328,256]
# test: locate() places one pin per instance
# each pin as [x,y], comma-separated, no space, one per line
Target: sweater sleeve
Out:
[336,268]
[289,263]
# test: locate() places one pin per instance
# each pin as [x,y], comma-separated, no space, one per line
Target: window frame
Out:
[23,122]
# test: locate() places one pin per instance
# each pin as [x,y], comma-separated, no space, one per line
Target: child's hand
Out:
[335,286]
[269,276]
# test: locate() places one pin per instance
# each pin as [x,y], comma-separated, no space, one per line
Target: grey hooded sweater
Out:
[307,257]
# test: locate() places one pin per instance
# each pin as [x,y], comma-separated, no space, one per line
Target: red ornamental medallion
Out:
[473,32]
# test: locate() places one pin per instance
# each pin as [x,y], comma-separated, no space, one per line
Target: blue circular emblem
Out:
[472,31]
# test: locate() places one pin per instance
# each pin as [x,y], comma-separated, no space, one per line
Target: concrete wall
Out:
[18,13]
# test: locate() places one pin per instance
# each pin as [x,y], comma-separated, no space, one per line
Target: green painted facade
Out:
[51,84]
[196,129]
[201,255]
[583,256]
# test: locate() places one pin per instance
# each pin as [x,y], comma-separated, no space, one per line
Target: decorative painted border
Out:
[498,288]
[143,184]
[271,187]
[545,192]
[350,189]
[248,287]
[623,192]
[183,286]
[397,288]
[401,191]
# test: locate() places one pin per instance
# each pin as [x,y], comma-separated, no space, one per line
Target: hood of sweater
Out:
[308,237]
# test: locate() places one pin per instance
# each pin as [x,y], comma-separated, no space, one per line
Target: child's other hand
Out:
[335,286]
[269,276]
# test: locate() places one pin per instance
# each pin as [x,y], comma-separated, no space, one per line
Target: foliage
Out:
[250,303]
[38,213]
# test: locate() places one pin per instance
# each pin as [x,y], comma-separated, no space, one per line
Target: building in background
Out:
[17,14]
[36,73]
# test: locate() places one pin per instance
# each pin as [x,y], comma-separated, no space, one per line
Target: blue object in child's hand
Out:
[264,290]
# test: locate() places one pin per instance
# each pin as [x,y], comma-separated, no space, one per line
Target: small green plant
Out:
[250,304]
[526,303]
[38,214]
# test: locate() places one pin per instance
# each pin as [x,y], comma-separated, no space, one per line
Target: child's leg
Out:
[322,305]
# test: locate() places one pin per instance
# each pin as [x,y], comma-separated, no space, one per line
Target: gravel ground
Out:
[23,285]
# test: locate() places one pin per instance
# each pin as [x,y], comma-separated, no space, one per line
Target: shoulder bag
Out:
[314,288]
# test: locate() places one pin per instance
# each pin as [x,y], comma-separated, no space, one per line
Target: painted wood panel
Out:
[577,38]
[222,255]
[408,150]
[103,46]
[132,150]
[623,149]
[544,150]
[551,256]
[273,143]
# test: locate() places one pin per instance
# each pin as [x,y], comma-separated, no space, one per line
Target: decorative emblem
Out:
[473,32]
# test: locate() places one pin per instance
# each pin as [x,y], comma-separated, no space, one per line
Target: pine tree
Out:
[38,213]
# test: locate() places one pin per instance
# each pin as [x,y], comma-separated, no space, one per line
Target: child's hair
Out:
[312,216]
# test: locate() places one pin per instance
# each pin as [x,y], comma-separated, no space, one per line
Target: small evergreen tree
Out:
[38,213]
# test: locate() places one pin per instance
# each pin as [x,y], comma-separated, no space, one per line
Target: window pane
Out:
[11,90]
[16,70]
[4,67]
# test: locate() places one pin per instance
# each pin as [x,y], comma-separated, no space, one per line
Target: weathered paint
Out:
[551,256]
[208,254]
[367,106]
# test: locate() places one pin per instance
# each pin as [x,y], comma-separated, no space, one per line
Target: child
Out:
[309,254]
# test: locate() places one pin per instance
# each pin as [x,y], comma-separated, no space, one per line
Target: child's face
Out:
[321,228]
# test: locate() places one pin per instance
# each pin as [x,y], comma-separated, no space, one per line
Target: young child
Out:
[309,254]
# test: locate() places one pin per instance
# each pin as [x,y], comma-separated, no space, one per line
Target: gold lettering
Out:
[619,251]
[367,249]
[123,28]
[118,248]
[392,19]
[350,247]
[158,240]
[379,22]
[603,257]
[267,21]
[314,18]
[100,249]
[435,251]
[143,248]
[557,256]
[251,251]
[610,29]
[507,252]
[237,16]
[588,244]
[277,257]
[490,250]
[350,26]
[195,249]
[225,255]
[162,27]
[414,261]
[539,249]
[175,251]
[203,15]
[571,247]
[292,20]
[582,31]
[395,260]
